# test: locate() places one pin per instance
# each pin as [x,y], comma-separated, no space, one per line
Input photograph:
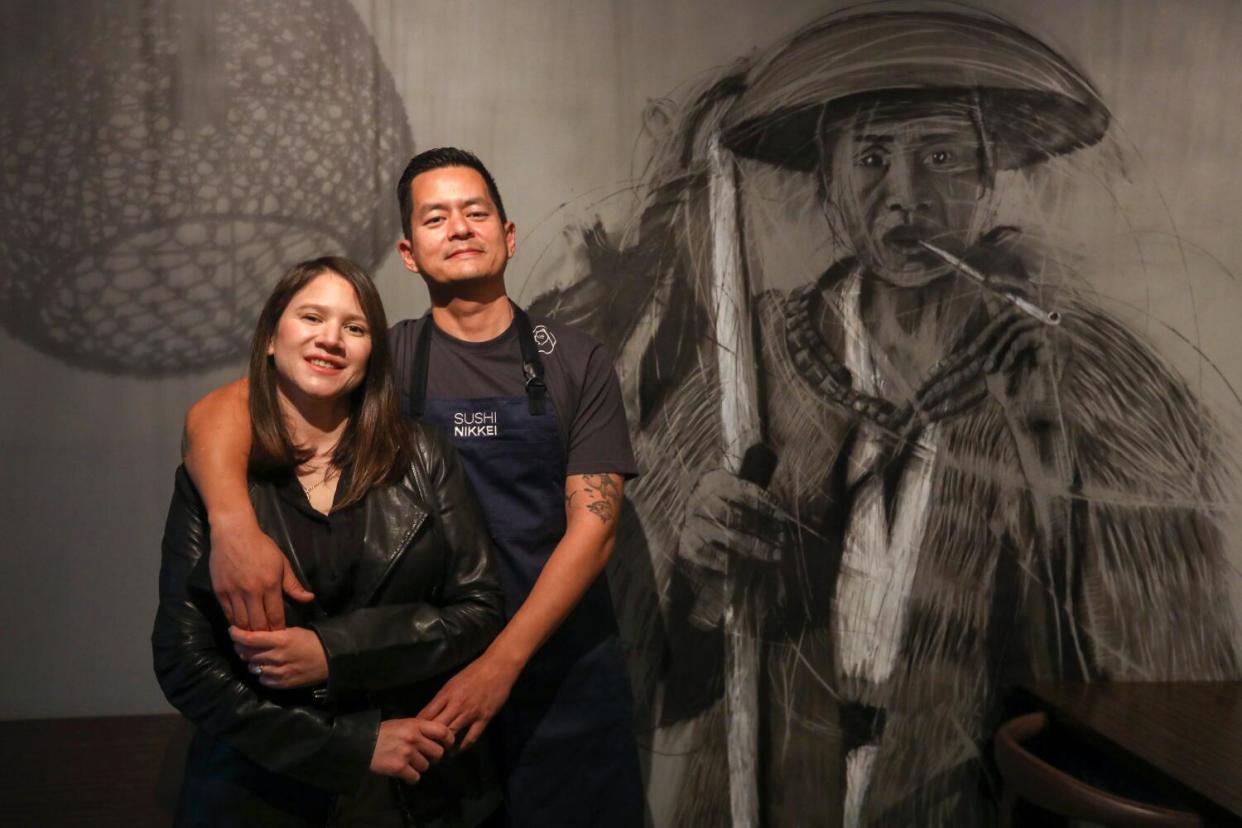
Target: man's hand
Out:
[283,659]
[727,519]
[248,573]
[247,570]
[469,700]
[998,256]
[1004,355]
[407,747]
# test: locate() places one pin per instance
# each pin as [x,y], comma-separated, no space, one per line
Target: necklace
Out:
[827,377]
[309,489]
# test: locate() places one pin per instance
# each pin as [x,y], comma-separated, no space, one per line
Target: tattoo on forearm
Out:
[602,493]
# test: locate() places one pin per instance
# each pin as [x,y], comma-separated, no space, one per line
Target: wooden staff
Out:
[747,456]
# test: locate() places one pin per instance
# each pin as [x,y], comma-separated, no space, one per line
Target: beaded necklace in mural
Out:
[812,358]
[951,387]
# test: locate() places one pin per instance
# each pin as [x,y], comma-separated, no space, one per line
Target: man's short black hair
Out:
[434,159]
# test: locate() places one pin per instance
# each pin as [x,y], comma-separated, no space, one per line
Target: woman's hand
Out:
[282,659]
[407,747]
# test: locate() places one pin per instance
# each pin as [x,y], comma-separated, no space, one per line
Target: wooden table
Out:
[103,771]
[1188,732]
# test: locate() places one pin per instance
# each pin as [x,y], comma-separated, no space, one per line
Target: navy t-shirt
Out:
[578,371]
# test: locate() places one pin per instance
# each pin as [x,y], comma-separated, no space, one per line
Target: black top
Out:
[327,546]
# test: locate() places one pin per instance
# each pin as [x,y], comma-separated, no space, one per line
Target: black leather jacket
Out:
[427,600]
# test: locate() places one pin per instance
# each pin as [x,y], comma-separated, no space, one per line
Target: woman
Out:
[313,725]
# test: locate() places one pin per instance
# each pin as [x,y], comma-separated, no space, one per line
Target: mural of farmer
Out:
[979,477]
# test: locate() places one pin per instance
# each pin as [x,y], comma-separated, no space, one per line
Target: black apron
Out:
[565,736]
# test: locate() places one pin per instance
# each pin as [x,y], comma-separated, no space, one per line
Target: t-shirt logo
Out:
[544,339]
[475,424]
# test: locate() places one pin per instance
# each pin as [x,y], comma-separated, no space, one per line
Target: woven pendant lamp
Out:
[162,163]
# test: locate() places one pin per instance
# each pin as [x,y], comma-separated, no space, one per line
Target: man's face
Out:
[902,175]
[456,235]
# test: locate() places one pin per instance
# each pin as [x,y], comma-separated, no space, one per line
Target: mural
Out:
[882,481]
[163,162]
[873,500]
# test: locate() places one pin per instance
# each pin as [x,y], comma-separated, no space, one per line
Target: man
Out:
[964,495]
[536,414]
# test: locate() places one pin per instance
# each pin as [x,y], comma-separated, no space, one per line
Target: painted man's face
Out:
[902,175]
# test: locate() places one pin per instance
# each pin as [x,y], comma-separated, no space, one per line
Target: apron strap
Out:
[532,366]
[422,358]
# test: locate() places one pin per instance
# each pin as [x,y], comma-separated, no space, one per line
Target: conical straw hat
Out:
[1033,103]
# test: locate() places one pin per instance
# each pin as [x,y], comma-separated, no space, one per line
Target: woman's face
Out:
[322,342]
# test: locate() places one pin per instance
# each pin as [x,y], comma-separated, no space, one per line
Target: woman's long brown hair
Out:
[376,440]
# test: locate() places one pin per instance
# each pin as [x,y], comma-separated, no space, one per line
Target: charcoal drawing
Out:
[981,474]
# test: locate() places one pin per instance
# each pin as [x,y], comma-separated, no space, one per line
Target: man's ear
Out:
[511,238]
[406,251]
